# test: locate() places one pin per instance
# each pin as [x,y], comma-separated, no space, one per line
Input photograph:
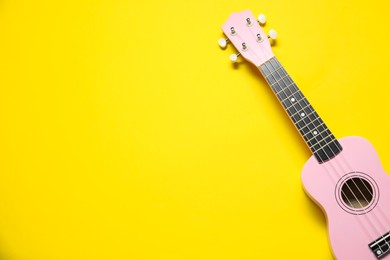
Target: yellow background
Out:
[126,133]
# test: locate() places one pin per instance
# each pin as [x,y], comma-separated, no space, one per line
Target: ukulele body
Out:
[354,222]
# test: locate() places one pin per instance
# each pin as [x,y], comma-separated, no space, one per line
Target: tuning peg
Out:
[234,57]
[272,34]
[223,42]
[261,18]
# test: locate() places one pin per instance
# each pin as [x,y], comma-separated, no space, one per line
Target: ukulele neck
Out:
[313,130]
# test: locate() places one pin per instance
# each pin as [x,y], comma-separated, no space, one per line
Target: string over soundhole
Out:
[357,193]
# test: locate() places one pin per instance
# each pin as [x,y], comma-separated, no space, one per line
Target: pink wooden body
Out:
[348,239]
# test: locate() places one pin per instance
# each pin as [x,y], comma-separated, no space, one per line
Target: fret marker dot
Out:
[315,132]
[302,114]
[379,252]
[292,99]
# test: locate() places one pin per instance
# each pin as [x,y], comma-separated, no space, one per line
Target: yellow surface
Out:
[127,134]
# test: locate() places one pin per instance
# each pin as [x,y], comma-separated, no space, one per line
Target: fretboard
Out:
[316,134]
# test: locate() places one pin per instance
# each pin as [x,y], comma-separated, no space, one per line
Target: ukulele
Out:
[344,177]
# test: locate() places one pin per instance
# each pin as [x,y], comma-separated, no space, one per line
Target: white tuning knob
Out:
[222,42]
[234,57]
[272,34]
[261,18]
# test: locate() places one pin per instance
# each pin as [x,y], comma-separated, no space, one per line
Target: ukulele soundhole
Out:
[357,193]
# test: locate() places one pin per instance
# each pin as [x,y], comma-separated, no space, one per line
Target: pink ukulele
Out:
[344,177]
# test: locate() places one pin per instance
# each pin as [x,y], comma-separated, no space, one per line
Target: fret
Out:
[299,102]
[277,71]
[284,88]
[318,128]
[276,81]
[293,102]
[318,146]
[304,118]
[321,147]
[279,79]
[277,76]
[293,94]
[315,136]
[313,139]
[281,89]
[315,127]
[314,131]
[304,123]
[295,98]
[298,112]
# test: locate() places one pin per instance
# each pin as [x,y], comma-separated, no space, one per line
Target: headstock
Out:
[243,30]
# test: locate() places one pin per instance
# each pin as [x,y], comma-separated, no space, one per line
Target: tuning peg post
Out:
[261,18]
